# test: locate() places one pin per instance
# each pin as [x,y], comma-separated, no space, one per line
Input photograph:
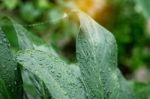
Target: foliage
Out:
[41,64]
[8,69]
[122,17]
[97,57]
[47,76]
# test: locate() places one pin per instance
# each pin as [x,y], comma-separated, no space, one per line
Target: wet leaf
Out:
[57,76]
[16,34]
[4,93]
[97,56]
[21,38]
[8,68]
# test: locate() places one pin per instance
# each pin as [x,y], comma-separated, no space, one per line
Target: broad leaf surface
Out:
[57,76]
[97,56]
[8,68]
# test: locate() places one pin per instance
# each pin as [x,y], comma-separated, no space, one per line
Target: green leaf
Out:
[21,38]
[8,68]
[57,76]
[145,6]
[4,93]
[16,34]
[97,56]
[47,49]
[33,87]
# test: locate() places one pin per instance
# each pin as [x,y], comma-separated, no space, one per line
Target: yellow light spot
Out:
[91,6]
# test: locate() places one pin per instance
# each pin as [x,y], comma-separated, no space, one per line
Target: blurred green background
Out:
[124,18]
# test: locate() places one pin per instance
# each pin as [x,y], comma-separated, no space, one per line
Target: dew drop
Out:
[1,42]
[52,71]
[59,75]
[65,94]
[97,86]
[109,69]
[4,40]
[8,44]
[15,69]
